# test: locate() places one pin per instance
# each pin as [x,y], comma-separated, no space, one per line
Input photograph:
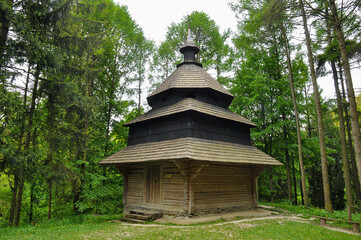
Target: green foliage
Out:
[83,58]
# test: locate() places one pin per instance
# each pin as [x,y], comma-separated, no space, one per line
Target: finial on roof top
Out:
[189,37]
[189,49]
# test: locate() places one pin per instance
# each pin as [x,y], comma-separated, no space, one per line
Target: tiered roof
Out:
[190,76]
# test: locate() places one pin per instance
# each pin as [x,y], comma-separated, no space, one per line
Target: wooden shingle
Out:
[191,148]
[189,104]
[190,76]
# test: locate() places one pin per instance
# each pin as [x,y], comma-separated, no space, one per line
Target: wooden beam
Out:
[185,205]
[190,195]
[199,169]
[182,165]
[257,170]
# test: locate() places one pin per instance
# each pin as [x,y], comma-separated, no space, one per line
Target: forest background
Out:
[72,72]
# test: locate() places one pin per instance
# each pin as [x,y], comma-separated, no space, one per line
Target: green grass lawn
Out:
[100,227]
[308,212]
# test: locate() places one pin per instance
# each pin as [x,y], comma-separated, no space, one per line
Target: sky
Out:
[155,16]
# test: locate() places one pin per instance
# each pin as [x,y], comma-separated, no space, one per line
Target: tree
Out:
[214,52]
[258,34]
[336,23]
[163,63]
[321,132]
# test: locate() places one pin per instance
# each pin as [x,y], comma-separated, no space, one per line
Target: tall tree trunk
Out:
[27,144]
[21,135]
[299,140]
[19,200]
[345,164]
[302,198]
[51,118]
[350,90]
[321,131]
[344,154]
[309,130]
[349,141]
[287,155]
[13,200]
[294,180]
[111,96]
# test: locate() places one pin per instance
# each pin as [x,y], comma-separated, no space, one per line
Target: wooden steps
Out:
[141,216]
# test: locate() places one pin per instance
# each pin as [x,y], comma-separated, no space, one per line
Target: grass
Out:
[308,212]
[102,227]
[265,229]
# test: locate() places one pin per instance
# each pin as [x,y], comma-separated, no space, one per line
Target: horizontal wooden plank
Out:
[134,194]
[174,195]
[223,205]
[221,188]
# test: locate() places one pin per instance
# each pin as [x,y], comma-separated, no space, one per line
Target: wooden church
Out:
[189,154]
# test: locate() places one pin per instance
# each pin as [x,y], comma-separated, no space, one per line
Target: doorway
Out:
[153,183]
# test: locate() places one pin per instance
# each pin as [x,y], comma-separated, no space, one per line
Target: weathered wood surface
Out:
[134,194]
[186,186]
[191,104]
[192,149]
[190,76]
[173,187]
[153,183]
[221,186]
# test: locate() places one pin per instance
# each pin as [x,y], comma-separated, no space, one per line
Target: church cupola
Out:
[189,50]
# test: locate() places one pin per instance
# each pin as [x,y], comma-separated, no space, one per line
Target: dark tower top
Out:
[190,103]
[189,49]
[190,80]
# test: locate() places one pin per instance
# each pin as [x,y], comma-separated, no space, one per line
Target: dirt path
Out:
[246,223]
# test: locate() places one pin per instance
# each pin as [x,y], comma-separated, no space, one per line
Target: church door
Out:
[152,183]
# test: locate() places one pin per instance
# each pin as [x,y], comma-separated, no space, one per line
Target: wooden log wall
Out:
[173,188]
[194,185]
[222,186]
[135,184]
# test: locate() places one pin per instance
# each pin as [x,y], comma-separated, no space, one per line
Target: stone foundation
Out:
[200,212]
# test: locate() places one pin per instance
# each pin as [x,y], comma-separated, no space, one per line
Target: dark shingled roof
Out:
[191,148]
[195,105]
[190,76]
